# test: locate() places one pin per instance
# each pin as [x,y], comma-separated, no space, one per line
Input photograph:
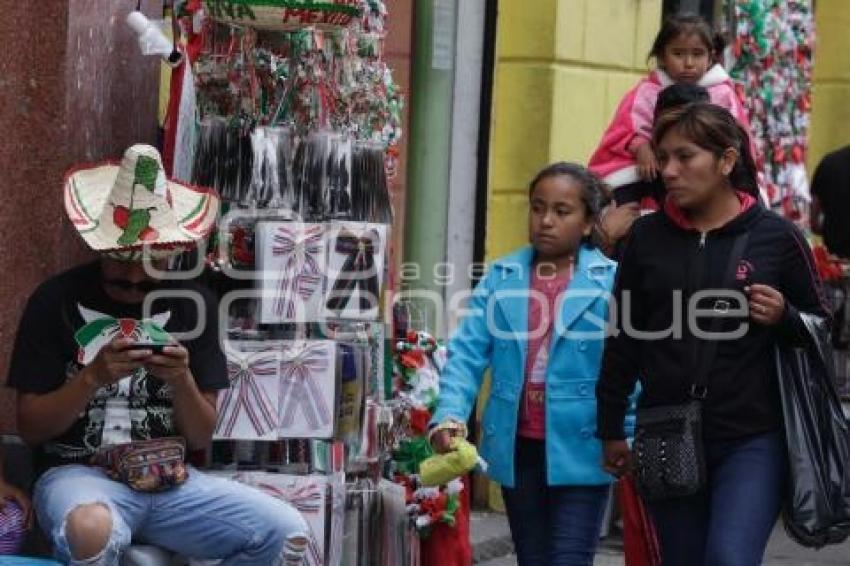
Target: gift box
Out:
[248,409]
[292,259]
[356,264]
[310,495]
[308,389]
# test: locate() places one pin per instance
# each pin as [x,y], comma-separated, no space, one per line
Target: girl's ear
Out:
[727,161]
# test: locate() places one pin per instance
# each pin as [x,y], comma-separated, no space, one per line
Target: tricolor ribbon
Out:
[358,271]
[306,498]
[299,372]
[246,396]
[301,272]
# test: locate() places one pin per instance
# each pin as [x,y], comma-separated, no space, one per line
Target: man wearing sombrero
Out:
[94,370]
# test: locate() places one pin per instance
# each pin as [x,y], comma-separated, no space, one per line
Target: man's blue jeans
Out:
[728,523]
[551,525]
[206,517]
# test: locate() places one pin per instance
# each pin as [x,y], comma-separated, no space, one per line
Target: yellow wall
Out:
[830,126]
[562,66]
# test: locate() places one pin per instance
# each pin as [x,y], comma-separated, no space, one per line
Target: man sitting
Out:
[96,368]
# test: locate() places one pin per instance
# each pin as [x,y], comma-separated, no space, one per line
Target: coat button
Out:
[582,345]
[583,390]
[491,429]
[586,433]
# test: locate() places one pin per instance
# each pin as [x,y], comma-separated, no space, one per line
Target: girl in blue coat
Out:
[537,320]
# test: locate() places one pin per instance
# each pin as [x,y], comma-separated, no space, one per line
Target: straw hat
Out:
[124,209]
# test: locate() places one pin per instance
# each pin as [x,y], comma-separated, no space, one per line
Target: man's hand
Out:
[647,164]
[8,491]
[114,362]
[617,457]
[171,366]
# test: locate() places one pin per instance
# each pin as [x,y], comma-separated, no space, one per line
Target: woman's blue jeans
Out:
[729,522]
[551,525]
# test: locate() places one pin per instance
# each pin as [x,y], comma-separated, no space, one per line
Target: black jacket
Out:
[661,256]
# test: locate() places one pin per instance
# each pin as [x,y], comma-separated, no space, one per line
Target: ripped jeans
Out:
[207,517]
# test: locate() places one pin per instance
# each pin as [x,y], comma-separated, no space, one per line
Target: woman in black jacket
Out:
[673,275]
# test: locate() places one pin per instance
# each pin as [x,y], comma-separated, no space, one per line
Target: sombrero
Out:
[122,210]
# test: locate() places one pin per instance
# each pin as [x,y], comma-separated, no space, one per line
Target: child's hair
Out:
[595,194]
[679,94]
[687,24]
[714,129]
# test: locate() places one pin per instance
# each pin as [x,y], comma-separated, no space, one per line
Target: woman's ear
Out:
[727,161]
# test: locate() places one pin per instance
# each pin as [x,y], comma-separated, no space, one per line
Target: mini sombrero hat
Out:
[123,209]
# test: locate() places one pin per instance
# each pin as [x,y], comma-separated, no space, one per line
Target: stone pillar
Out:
[562,67]
[75,89]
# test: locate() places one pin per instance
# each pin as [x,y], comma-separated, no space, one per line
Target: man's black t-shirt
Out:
[66,322]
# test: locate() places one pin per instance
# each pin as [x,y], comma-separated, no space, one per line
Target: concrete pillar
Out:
[430,151]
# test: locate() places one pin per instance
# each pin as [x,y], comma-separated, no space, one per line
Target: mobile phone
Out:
[156,348]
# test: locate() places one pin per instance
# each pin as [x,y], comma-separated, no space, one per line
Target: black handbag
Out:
[668,445]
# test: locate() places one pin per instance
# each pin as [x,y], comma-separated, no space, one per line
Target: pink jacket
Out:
[613,161]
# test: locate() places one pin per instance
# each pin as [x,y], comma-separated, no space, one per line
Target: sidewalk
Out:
[491,546]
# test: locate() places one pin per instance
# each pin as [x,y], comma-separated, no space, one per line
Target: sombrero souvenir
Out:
[127,208]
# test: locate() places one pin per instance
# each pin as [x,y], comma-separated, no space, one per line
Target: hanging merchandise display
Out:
[770,60]
[295,121]
[436,493]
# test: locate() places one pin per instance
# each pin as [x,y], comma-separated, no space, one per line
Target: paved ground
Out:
[492,547]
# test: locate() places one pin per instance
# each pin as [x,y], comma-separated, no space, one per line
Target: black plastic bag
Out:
[817,509]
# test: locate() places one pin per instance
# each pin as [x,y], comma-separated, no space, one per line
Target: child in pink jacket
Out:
[685,52]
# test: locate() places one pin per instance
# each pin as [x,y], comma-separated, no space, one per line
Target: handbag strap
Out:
[699,389]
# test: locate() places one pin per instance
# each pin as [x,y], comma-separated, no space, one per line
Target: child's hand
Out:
[617,458]
[617,221]
[8,491]
[647,164]
[441,441]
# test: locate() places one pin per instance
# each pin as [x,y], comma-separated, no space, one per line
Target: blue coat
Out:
[573,454]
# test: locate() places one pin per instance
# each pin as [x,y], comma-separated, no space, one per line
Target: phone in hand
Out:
[154,347]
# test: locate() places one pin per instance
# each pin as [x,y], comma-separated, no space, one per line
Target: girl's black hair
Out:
[714,129]
[681,24]
[595,194]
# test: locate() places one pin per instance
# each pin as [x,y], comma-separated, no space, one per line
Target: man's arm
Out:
[43,416]
[194,413]
[194,410]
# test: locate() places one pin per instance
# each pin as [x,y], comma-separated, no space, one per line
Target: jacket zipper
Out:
[702,237]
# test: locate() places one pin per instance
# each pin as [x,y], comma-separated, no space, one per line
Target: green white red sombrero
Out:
[127,208]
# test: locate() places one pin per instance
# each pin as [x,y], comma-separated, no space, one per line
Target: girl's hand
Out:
[647,164]
[766,304]
[617,221]
[617,457]
[441,441]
